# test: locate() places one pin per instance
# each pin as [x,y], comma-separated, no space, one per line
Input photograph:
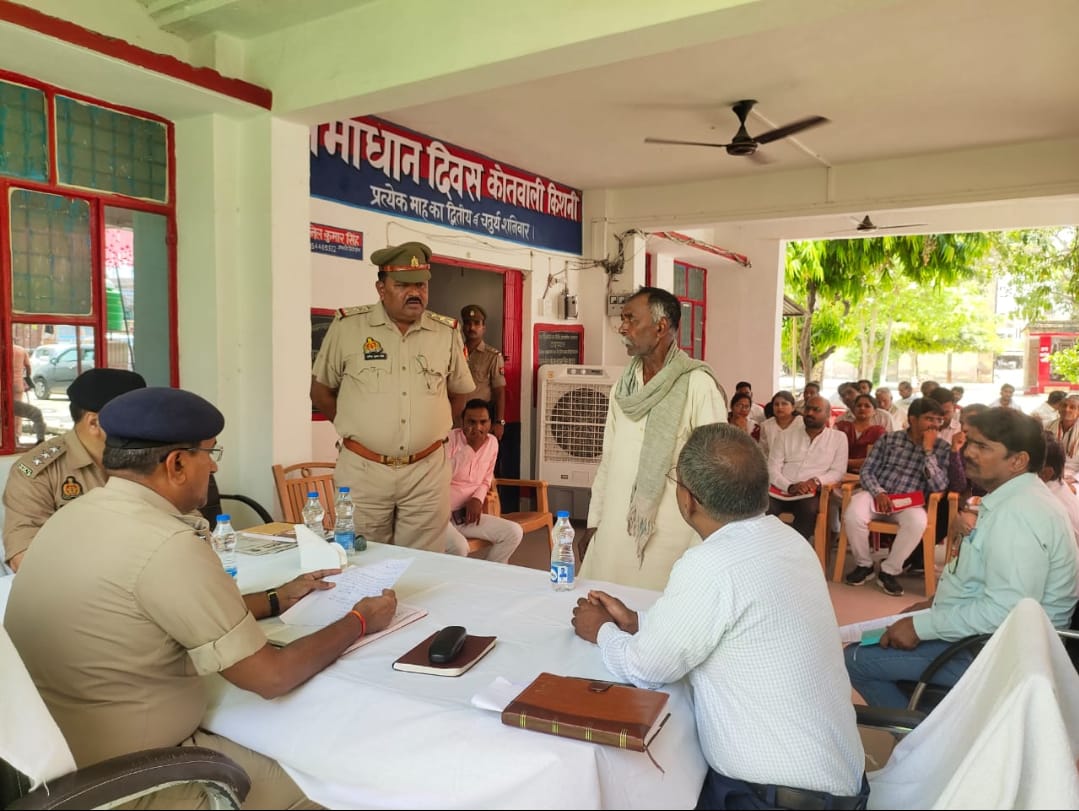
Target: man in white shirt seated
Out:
[1007,392]
[747,621]
[801,461]
[472,452]
[1050,409]
[886,403]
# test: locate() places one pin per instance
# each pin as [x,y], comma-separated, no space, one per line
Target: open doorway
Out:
[456,284]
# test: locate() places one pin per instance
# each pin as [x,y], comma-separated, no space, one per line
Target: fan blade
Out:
[897,227]
[684,143]
[790,129]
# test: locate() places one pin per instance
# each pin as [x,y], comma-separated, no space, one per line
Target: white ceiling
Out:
[897,78]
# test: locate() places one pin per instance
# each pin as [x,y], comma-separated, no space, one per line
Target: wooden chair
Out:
[529,521]
[296,481]
[820,529]
[929,536]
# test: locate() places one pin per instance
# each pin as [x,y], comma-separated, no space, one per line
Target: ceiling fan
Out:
[743,144]
[866,224]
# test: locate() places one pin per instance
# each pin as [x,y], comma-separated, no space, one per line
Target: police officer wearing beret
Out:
[487,366]
[384,375]
[122,606]
[60,470]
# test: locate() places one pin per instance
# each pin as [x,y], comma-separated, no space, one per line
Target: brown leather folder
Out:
[417,661]
[589,710]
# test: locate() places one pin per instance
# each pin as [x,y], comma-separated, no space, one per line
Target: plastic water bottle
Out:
[224,542]
[563,565]
[344,528]
[313,513]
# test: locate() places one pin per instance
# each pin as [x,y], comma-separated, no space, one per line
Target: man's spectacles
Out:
[216,452]
[672,474]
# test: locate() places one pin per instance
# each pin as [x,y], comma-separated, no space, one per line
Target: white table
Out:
[362,735]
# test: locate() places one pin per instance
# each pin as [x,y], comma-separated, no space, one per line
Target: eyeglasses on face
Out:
[672,475]
[216,452]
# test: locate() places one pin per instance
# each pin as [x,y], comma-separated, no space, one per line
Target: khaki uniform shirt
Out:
[392,388]
[46,478]
[488,370]
[118,613]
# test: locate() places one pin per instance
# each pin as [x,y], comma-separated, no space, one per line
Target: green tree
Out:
[1066,363]
[1040,267]
[847,272]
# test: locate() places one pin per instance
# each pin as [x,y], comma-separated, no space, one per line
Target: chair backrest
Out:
[293,484]
[31,743]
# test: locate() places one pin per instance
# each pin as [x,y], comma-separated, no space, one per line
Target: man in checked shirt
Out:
[902,462]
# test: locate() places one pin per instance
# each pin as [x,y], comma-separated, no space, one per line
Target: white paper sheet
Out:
[497,695]
[853,632]
[318,553]
[320,608]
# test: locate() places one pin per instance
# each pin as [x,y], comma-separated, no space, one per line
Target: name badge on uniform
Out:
[372,350]
[70,489]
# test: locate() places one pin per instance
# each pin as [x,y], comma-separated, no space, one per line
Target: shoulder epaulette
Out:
[443,319]
[37,459]
[345,312]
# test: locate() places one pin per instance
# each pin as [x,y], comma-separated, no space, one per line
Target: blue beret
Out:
[95,387]
[148,418]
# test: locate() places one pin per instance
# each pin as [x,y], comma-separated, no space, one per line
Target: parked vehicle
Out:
[59,370]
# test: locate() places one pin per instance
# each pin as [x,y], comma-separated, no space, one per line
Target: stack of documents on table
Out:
[870,631]
[266,539]
[320,608]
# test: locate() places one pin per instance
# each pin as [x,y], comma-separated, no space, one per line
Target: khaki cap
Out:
[409,262]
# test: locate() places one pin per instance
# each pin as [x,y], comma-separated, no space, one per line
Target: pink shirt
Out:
[472,470]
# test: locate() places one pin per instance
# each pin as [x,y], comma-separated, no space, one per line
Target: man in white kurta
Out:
[633,464]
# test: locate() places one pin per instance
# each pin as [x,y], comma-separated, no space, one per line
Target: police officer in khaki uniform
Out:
[57,472]
[487,366]
[121,606]
[384,375]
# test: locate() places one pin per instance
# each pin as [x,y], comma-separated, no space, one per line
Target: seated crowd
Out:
[136,467]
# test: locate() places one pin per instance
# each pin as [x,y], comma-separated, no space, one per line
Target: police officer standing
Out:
[487,366]
[60,470]
[384,375]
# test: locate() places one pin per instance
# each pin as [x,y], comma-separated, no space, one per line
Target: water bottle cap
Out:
[224,517]
[312,494]
[344,490]
[562,514]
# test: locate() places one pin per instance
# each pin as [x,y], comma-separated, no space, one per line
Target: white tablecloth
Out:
[362,735]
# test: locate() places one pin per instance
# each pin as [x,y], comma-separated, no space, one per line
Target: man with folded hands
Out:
[1021,546]
[910,464]
[724,622]
[801,462]
[121,605]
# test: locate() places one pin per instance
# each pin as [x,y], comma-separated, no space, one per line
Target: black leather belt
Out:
[800,799]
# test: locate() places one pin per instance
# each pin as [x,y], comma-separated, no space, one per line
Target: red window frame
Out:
[698,305]
[98,201]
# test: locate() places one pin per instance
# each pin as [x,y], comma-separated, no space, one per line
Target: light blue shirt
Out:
[1022,546]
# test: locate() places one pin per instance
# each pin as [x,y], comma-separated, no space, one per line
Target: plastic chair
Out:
[37,769]
[296,481]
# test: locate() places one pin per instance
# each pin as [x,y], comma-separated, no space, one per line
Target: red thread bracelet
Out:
[363,622]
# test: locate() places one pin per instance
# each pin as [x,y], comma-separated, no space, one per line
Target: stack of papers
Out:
[870,631]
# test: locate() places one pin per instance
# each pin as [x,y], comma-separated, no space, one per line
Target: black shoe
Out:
[889,585]
[860,576]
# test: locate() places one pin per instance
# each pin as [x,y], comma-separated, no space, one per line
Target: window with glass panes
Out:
[690,285]
[87,229]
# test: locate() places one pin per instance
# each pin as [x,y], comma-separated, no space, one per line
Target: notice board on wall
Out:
[555,343]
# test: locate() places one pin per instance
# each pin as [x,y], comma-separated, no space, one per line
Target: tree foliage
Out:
[1066,363]
[1041,266]
[837,275]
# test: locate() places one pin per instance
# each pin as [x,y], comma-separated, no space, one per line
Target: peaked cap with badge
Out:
[473,312]
[408,262]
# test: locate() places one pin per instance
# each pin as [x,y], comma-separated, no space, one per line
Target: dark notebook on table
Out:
[417,660]
[590,710]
